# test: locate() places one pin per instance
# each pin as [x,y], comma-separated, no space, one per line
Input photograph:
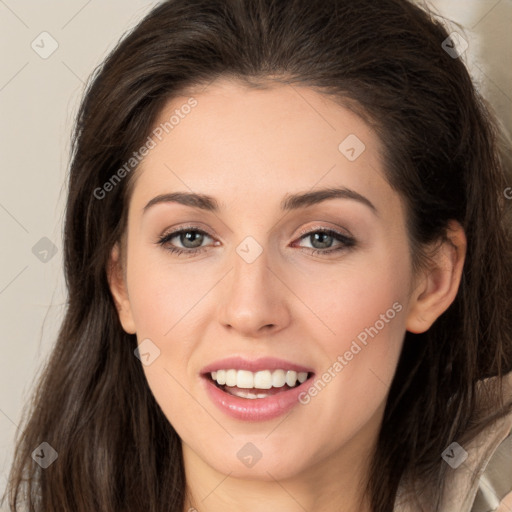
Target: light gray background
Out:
[38,102]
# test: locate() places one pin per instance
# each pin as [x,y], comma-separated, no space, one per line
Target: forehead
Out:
[238,142]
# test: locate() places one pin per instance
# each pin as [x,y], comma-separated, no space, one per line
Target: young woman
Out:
[289,271]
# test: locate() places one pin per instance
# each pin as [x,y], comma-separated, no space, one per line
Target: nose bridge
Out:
[253,299]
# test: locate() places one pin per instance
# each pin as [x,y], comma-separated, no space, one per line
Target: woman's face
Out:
[289,283]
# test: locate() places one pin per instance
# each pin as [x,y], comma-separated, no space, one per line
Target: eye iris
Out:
[322,237]
[194,237]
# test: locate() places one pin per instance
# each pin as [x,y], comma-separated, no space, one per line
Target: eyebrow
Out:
[290,201]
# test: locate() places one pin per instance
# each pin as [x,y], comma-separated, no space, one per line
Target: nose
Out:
[254,298]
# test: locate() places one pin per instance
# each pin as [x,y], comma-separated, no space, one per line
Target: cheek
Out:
[361,298]
[363,317]
[165,300]
[162,291]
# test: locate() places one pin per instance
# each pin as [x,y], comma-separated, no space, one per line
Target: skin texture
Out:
[249,148]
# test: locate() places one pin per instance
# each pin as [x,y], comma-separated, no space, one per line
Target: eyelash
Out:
[347,241]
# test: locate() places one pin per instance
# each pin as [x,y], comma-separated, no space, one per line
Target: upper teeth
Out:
[264,379]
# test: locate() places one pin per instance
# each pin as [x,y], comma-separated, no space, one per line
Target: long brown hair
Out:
[116,449]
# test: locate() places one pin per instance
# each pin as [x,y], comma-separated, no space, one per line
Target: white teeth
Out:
[264,379]
[244,379]
[291,378]
[231,377]
[278,378]
[221,377]
[246,394]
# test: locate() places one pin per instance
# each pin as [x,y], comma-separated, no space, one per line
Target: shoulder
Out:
[479,478]
[494,491]
[484,478]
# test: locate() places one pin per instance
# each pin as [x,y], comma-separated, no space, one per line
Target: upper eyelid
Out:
[174,232]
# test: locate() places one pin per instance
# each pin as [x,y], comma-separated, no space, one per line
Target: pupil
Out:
[189,236]
[316,236]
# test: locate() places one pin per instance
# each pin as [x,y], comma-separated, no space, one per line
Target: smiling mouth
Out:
[257,385]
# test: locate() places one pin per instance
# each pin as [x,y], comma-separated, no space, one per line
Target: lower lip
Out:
[257,409]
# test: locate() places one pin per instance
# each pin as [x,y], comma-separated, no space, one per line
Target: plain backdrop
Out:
[39,96]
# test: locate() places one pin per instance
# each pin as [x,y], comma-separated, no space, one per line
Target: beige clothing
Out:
[489,455]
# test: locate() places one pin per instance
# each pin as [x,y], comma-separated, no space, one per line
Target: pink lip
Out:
[260,409]
[265,363]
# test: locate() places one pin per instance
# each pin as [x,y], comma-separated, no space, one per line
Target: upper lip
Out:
[254,365]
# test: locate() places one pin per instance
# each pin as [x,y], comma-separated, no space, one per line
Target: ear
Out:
[118,288]
[438,286]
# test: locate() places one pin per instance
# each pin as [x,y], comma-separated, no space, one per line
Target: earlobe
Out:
[439,285]
[118,288]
